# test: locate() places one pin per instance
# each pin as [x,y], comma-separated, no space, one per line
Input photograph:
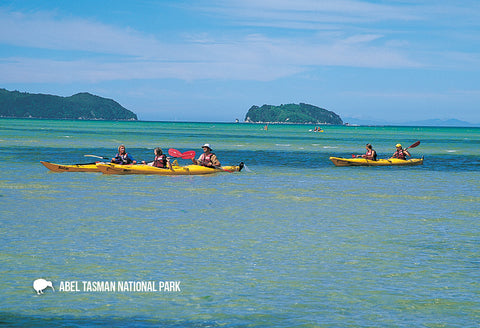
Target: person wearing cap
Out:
[400,153]
[208,158]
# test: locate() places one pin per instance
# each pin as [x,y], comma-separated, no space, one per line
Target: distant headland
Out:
[81,106]
[292,113]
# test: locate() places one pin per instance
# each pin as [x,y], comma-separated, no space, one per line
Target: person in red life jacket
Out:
[370,154]
[208,158]
[122,157]
[160,160]
[400,153]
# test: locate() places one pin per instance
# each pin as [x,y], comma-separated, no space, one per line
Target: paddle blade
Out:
[174,153]
[189,154]
[414,144]
[102,157]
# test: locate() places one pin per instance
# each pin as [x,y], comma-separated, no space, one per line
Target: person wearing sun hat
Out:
[208,158]
[400,153]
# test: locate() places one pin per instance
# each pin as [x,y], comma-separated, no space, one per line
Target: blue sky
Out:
[209,60]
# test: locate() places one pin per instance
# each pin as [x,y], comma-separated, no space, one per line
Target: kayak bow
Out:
[90,167]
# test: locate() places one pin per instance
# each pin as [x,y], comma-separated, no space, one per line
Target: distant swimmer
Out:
[401,153]
[208,158]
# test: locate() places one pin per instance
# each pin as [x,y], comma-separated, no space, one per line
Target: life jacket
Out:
[369,153]
[160,161]
[204,160]
[399,154]
[122,159]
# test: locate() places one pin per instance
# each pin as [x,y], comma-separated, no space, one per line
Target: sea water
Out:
[291,242]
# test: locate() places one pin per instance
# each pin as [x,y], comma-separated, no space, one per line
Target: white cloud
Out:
[307,14]
[85,50]
[44,30]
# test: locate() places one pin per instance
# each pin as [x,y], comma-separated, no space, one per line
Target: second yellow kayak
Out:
[340,161]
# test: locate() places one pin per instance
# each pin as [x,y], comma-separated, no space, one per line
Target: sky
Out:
[211,60]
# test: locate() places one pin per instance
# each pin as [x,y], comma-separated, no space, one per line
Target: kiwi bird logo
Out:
[40,284]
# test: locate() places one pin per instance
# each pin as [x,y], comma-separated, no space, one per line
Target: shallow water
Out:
[295,242]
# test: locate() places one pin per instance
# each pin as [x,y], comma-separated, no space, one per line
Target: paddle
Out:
[174,153]
[415,144]
[189,154]
[102,157]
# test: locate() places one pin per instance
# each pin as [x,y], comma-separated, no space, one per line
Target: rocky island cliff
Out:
[292,113]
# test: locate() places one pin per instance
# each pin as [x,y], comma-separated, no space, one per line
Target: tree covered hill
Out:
[292,113]
[81,106]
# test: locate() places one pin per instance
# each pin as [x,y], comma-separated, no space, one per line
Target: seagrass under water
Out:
[295,242]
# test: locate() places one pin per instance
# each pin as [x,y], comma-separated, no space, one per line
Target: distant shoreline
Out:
[64,119]
[245,123]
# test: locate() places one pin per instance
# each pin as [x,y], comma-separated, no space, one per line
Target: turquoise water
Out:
[293,242]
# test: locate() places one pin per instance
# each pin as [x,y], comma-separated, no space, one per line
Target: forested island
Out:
[81,106]
[292,113]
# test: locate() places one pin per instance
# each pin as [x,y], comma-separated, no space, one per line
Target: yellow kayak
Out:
[90,167]
[339,161]
[109,168]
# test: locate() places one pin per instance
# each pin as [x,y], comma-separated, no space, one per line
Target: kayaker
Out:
[400,153]
[370,154]
[161,160]
[208,158]
[122,157]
